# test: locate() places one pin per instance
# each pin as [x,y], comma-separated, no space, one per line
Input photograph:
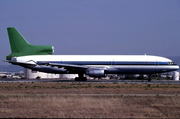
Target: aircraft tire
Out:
[80,79]
[149,80]
[84,79]
[77,79]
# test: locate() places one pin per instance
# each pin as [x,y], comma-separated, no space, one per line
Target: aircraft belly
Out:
[138,69]
[108,69]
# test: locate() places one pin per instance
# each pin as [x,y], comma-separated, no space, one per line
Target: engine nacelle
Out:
[95,73]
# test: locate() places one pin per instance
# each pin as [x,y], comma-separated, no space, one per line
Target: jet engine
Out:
[96,73]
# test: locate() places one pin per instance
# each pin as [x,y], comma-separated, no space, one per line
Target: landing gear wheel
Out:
[84,79]
[81,79]
[149,80]
[77,79]
[149,77]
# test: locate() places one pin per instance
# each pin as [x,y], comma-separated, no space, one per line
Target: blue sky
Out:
[94,27]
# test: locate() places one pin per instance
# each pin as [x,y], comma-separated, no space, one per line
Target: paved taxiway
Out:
[139,95]
[92,81]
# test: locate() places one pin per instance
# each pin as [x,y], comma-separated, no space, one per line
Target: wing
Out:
[72,66]
[68,65]
[59,65]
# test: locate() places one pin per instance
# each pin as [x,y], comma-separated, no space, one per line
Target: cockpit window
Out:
[171,63]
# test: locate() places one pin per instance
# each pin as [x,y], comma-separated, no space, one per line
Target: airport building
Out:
[30,74]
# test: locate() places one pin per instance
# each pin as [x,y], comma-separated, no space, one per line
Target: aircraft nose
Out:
[172,68]
[176,67]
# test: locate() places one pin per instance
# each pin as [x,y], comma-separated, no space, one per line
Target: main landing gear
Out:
[80,78]
[149,77]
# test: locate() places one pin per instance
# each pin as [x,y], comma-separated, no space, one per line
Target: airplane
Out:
[40,58]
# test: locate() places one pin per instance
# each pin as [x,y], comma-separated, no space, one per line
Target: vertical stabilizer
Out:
[17,41]
[20,47]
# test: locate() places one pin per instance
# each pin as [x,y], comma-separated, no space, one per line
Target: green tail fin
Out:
[20,47]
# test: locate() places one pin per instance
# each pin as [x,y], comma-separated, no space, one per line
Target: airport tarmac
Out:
[91,81]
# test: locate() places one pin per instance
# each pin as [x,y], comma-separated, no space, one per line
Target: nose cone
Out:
[172,68]
[175,67]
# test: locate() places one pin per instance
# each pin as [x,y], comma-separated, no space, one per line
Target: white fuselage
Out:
[113,64]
